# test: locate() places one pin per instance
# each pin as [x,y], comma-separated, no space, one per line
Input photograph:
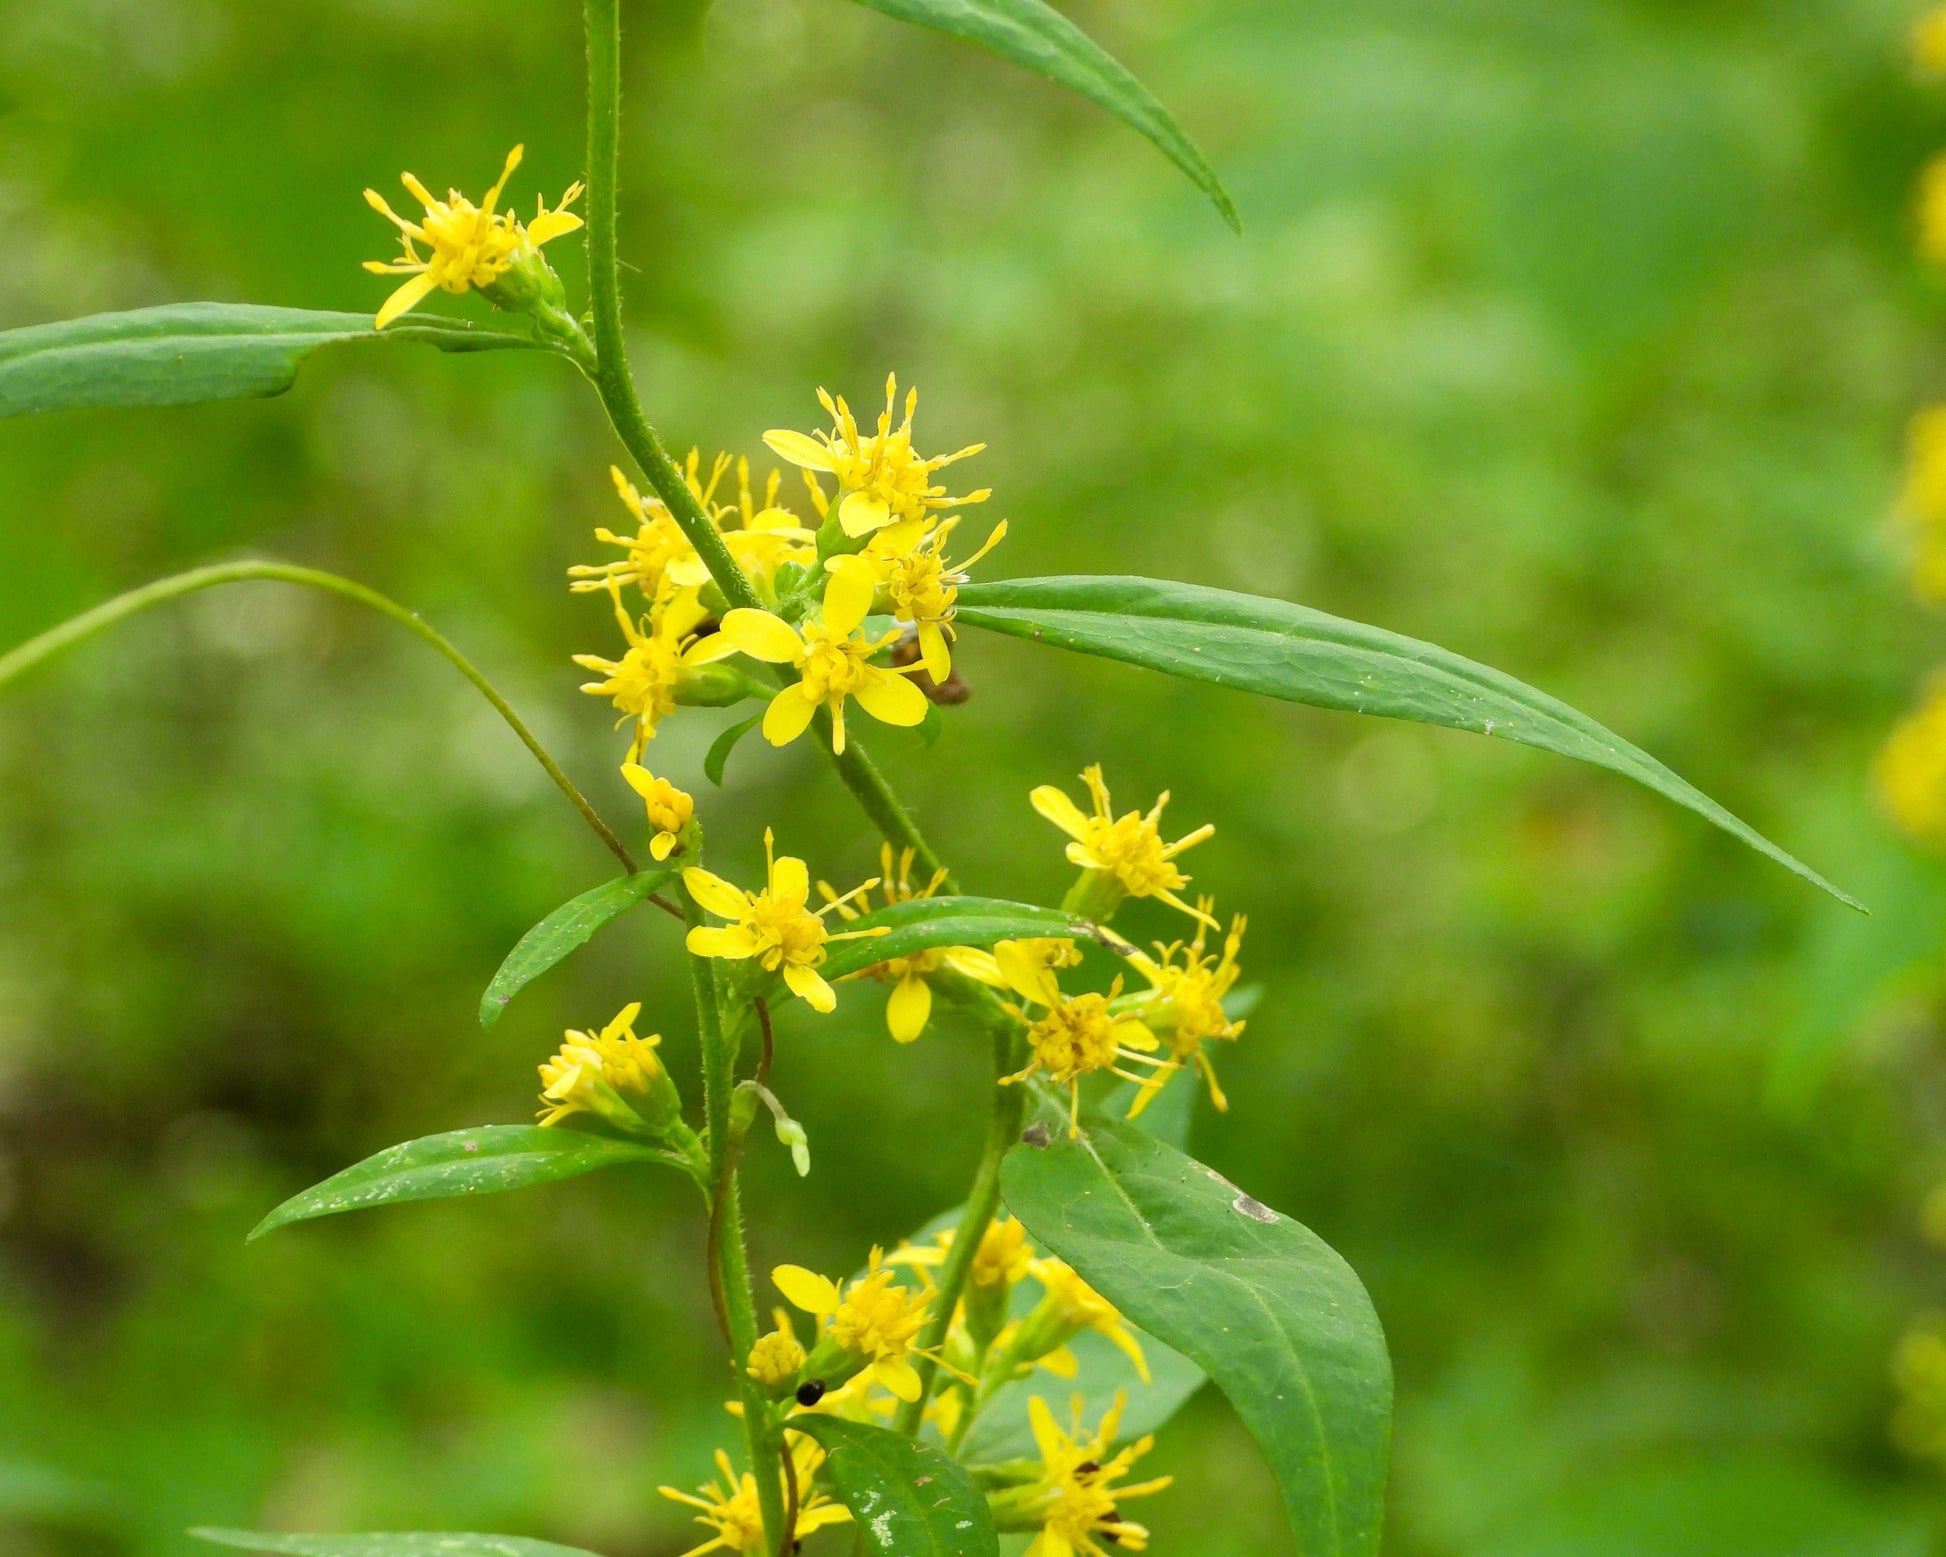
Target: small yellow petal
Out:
[911,1004]
[810,987]
[407,296]
[714,893]
[861,513]
[899,1378]
[798,449]
[731,941]
[806,1289]
[890,699]
[848,594]
[788,715]
[762,636]
[1055,805]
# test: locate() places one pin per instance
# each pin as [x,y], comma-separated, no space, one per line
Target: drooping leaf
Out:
[566,929]
[1036,35]
[921,923]
[185,353]
[1276,1318]
[391,1543]
[1303,656]
[907,1499]
[720,748]
[482,1161]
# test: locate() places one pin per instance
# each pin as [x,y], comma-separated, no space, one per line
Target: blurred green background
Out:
[1577,337]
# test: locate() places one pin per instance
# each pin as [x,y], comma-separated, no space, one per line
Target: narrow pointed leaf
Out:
[720,748]
[401,1543]
[1303,656]
[461,1163]
[907,1500]
[921,923]
[565,930]
[1036,35]
[185,353]
[1278,1321]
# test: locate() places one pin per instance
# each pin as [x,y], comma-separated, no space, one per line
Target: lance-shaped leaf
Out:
[921,923]
[1273,1315]
[391,1543]
[1303,656]
[563,931]
[1036,35]
[482,1161]
[185,353]
[907,1500]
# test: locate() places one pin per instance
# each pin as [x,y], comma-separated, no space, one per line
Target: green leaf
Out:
[720,748]
[907,1499]
[566,929]
[186,353]
[481,1161]
[1036,35]
[388,1544]
[1304,656]
[1277,1319]
[921,923]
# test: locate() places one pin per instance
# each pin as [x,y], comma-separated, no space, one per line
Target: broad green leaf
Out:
[1303,656]
[907,1499]
[1276,1318]
[566,929]
[433,1543]
[185,353]
[720,748]
[1036,35]
[481,1161]
[921,923]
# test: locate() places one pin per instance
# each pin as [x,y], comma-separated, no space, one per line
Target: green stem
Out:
[876,798]
[88,623]
[729,1263]
[982,1201]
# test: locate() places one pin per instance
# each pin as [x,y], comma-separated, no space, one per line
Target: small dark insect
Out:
[810,1392]
[1087,1467]
[1036,1136]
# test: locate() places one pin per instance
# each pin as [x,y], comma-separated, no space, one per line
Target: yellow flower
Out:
[643,682]
[874,1318]
[1911,769]
[1929,42]
[1075,1501]
[659,555]
[1932,209]
[833,660]
[468,245]
[1125,853]
[1000,1261]
[910,1006]
[1073,1036]
[908,563]
[881,478]
[730,1508]
[1185,1003]
[588,1064]
[669,809]
[1922,505]
[774,925]
[776,1357]
[1069,1307]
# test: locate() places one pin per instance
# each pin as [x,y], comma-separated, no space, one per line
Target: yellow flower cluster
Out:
[592,1071]
[873,1321]
[467,246]
[1075,1501]
[730,1509]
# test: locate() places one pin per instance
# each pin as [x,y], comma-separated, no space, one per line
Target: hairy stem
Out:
[982,1201]
[88,623]
[729,1264]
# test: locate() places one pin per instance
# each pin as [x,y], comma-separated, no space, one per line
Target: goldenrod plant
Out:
[1003,1370]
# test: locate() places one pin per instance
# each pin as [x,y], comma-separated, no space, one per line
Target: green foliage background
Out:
[1575,337]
